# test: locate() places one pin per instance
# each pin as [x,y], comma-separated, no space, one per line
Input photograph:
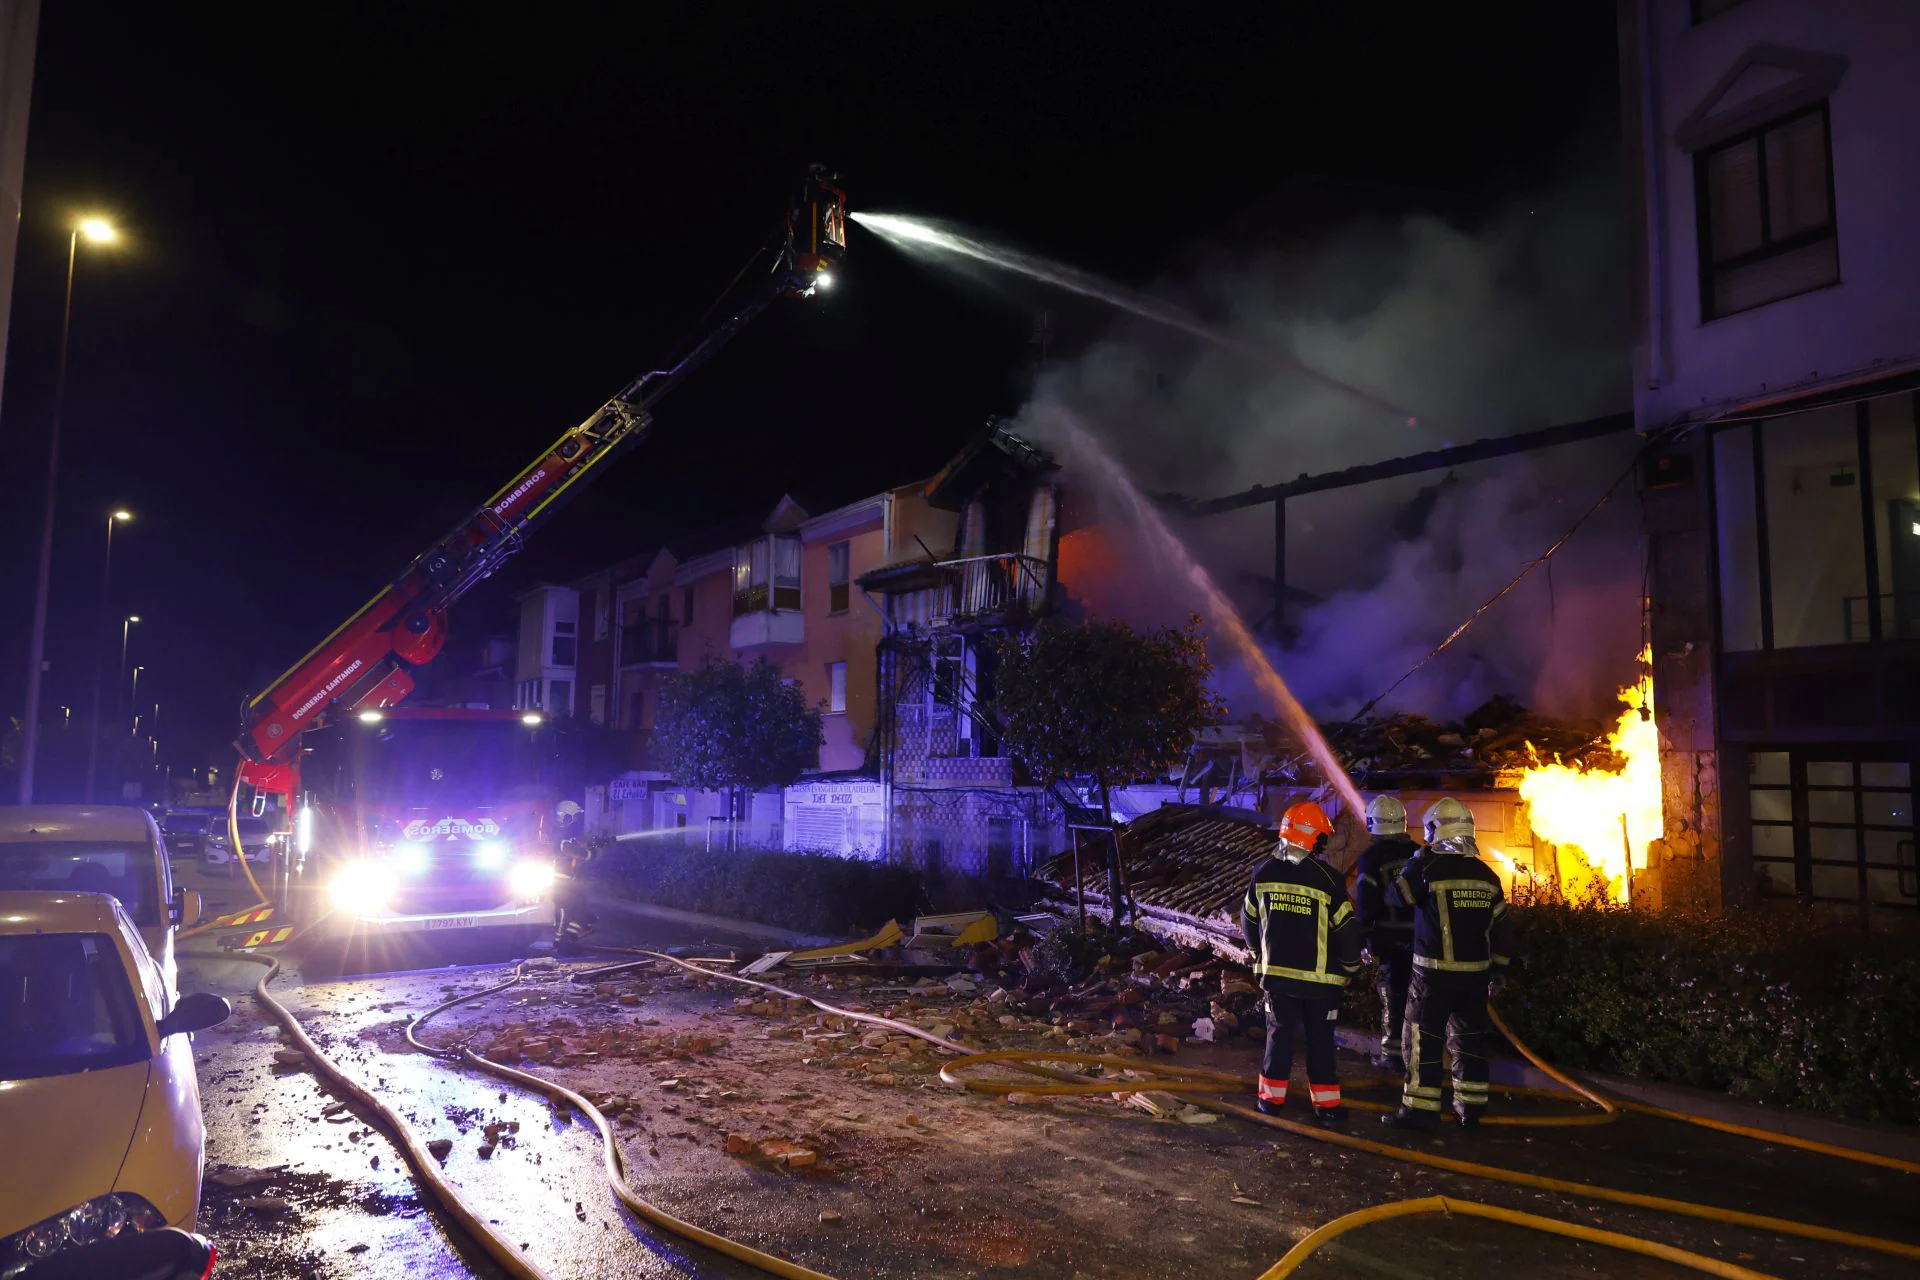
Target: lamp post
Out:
[120,516]
[93,744]
[133,698]
[96,231]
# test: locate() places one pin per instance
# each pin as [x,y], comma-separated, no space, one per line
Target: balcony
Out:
[649,642]
[766,593]
[990,586]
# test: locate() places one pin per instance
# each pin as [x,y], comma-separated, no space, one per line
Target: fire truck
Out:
[406,820]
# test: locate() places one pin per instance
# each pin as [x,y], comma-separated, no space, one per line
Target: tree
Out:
[735,728]
[1101,701]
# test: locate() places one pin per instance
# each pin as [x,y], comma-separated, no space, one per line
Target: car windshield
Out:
[65,1006]
[89,866]
[175,824]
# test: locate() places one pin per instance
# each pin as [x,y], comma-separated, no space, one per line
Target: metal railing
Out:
[648,640]
[991,584]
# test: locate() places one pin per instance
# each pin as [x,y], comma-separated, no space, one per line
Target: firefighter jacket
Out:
[1300,926]
[1385,922]
[1460,920]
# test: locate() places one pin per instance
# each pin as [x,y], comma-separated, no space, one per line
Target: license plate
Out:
[448,922]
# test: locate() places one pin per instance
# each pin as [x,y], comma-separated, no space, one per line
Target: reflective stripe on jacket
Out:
[1299,924]
[1460,922]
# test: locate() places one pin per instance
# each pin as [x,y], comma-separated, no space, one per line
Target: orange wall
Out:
[850,637]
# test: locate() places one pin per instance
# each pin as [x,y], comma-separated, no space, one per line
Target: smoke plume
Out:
[1458,330]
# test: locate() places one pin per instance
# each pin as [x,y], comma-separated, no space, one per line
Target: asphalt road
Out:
[917,1179]
[348,1196]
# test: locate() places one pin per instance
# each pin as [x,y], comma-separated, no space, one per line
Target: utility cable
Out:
[1497,596]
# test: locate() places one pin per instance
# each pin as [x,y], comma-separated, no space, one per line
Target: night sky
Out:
[378,256]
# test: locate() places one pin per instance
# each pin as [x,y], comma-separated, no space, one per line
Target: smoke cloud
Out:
[1457,330]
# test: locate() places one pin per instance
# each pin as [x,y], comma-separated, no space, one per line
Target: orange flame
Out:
[1602,816]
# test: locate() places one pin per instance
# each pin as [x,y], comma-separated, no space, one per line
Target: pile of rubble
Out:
[1501,736]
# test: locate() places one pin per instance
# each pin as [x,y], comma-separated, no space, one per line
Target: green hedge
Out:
[1773,1006]
[806,892]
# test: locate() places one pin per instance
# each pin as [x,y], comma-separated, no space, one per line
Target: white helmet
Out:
[1448,819]
[1386,816]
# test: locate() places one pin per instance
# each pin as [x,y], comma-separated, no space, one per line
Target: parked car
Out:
[100,849]
[256,839]
[186,832]
[98,1097]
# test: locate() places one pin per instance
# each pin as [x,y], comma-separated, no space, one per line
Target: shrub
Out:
[806,892]
[1776,1007]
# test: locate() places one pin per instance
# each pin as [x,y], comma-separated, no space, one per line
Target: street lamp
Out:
[97,231]
[119,516]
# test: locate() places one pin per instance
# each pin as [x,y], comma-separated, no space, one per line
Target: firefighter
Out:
[1462,943]
[1306,943]
[1386,925]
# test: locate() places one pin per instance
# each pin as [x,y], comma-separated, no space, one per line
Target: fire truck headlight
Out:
[411,858]
[530,879]
[490,855]
[361,887]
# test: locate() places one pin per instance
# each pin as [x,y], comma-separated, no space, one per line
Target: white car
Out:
[98,1098]
[100,849]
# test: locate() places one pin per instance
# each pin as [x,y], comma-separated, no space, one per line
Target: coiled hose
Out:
[1186,1080]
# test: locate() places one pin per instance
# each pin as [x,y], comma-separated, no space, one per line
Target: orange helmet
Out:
[1305,825]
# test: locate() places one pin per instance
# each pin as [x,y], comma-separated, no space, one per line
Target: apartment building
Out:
[1776,148]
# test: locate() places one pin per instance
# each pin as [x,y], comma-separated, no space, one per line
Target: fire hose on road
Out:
[1148,1078]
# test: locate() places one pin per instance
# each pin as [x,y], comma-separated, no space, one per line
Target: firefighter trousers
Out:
[1452,1006]
[1393,971]
[1313,1012]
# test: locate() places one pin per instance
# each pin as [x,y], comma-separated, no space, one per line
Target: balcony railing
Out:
[993,584]
[649,640]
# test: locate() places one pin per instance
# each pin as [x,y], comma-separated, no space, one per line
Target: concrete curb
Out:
[1900,1142]
[720,924]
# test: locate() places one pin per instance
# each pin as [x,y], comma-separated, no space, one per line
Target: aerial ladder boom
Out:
[366,663]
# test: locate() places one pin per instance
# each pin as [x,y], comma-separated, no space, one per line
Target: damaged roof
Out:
[1186,864]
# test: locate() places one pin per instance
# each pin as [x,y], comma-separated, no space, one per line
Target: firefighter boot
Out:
[1469,1116]
[1270,1108]
[1411,1118]
[1330,1117]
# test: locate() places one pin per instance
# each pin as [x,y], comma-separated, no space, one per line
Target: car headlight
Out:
[361,887]
[490,855]
[101,1218]
[530,879]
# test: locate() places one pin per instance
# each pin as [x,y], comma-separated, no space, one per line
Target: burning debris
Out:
[1608,813]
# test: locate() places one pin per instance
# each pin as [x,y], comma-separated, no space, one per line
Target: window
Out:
[597,704]
[566,644]
[836,687]
[530,695]
[1833,828]
[766,574]
[598,601]
[838,588]
[1816,516]
[686,606]
[561,701]
[1765,203]
[66,1006]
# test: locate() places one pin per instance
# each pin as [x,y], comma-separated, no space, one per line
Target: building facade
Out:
[1776,153]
